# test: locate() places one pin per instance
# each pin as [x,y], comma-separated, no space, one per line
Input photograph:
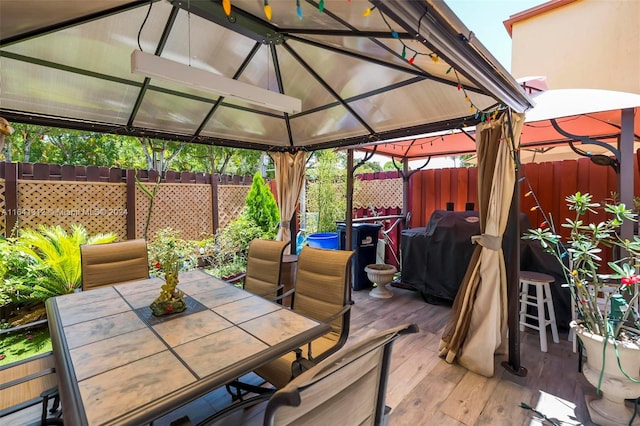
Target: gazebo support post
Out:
[625,174]
[512,262]
[405,191]
[348,219]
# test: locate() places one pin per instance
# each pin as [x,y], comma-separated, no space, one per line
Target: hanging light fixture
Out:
[165,69]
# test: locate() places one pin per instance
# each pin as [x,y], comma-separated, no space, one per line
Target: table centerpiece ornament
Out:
[167,264]
[607,321]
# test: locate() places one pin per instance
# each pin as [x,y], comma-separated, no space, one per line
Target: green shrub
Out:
[52,263]
[261,207]
[188,251]
[16,269]
[326,192]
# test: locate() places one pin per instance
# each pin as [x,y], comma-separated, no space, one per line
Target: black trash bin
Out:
[364,240]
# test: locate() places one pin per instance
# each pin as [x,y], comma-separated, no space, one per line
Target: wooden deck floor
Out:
[425,390]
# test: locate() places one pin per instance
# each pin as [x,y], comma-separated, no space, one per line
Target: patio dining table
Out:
[117,363]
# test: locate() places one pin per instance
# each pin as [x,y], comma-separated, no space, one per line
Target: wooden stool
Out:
[542,296]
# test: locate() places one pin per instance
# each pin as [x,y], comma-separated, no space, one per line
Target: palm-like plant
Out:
[56,258]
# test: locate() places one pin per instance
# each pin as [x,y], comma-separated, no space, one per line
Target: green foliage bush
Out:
[187,251]
[326,192]
[261,207]
[39,264]
[229,248]
[55,256]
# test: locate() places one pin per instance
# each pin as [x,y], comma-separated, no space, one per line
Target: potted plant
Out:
[607,324]
[167,261]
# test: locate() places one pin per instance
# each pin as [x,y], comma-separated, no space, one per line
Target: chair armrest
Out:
[275,290]
[283,295]
[338,314]
[237,279]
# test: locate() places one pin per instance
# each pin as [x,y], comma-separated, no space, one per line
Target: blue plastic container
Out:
[328,240]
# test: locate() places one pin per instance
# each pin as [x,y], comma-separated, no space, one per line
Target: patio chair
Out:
[107,264]
[263,267]
[347,388]
[30,382]
[321,291]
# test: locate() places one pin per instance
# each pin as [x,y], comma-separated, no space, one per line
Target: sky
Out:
[485,18]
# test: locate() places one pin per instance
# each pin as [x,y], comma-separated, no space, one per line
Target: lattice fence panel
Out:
[3,209]
[99,207]
[386,193]
[182,207]
[231,201]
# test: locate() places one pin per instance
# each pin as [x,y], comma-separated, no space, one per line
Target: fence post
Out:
[131,204]
[10,196]
[214,201]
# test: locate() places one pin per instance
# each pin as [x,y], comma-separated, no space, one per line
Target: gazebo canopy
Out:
[589,113]
[408,68]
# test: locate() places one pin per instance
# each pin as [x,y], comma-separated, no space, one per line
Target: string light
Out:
[409,57]
[298,9]
[267,10]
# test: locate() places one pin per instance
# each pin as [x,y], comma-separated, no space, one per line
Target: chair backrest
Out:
[347,388]
[106,264]
[323,286]
[263,266]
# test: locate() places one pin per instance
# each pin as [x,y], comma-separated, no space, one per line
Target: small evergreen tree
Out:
[261,207]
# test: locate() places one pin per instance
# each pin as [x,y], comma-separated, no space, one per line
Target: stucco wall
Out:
[584,44]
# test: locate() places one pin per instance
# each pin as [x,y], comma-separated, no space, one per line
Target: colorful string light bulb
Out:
[226,6]
[321,6]
[368,11]
[267,10]
[298,9]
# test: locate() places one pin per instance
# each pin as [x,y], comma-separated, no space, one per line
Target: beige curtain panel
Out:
[290,170]
[477,328]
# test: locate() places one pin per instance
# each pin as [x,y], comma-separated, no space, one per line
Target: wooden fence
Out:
[105,199]
[550,182]
[109,199]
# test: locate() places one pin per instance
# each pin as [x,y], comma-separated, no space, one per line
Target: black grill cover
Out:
[435,259]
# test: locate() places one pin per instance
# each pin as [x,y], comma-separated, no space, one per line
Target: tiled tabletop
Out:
[118,364]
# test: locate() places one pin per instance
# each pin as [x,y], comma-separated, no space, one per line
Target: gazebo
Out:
[286,78]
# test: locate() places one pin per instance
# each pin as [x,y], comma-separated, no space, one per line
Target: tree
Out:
[369,167]
[261,206]
[156,153]
[326,192]
[42,144]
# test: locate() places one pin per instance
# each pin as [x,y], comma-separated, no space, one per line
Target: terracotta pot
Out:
[610,409]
